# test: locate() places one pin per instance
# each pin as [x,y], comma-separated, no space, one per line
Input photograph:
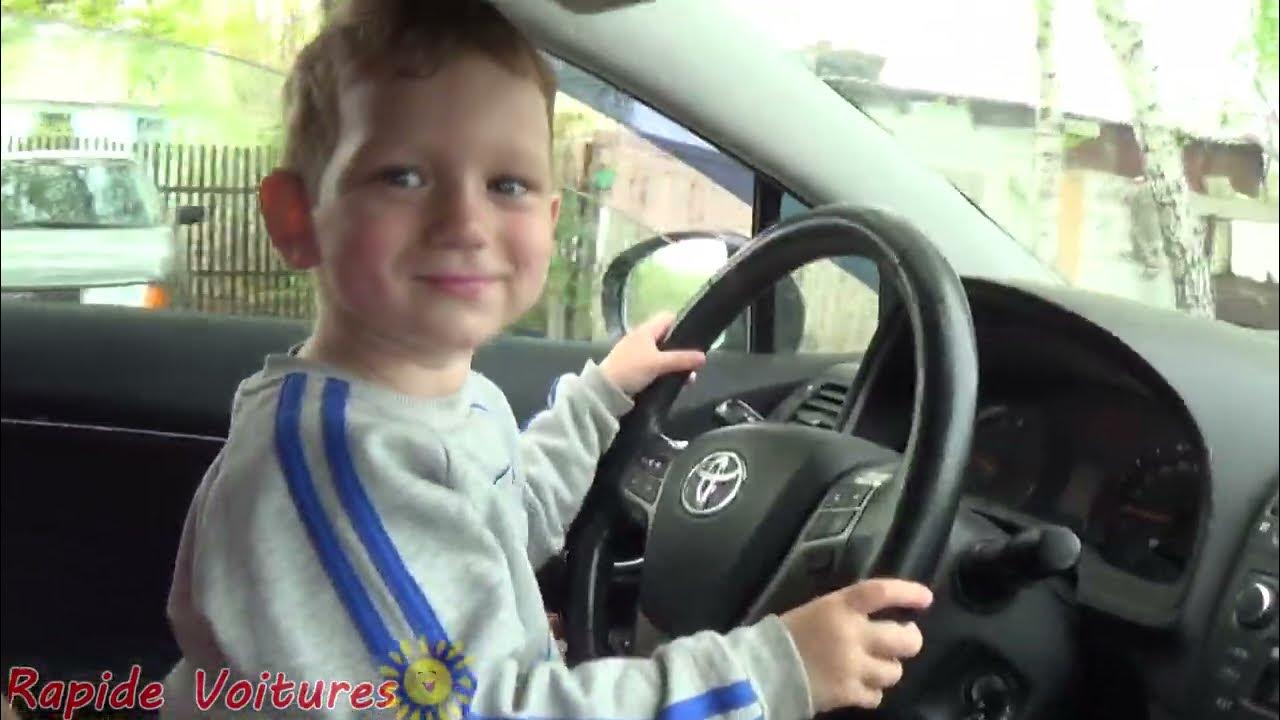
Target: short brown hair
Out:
[397,36]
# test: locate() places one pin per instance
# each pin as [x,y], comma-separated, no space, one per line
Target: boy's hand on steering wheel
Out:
[635,361]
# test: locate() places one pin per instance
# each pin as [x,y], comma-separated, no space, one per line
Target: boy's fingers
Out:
[880,673]
[892,641]
[673,361]
[658,325]
[865,697]
[870,596]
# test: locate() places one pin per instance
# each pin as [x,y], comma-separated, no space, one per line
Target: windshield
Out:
[1129,145]
[77,193]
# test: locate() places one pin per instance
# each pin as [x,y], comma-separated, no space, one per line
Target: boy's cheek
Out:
[531,252]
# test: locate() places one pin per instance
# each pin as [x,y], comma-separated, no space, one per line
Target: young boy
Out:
[373,525]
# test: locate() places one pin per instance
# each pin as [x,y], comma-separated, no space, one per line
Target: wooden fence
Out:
[230,265]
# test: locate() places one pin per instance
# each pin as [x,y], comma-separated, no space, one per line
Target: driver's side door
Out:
[110,415]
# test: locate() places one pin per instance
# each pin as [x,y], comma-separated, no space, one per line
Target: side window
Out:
[841,299]
[628,174]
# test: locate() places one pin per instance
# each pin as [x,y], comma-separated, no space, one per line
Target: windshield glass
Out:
[77,193]
[1130,145]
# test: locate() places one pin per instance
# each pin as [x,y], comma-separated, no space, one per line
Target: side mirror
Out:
[189,214]
[665,272]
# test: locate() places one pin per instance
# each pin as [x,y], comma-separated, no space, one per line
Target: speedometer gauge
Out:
[1004,465]
[1145,522]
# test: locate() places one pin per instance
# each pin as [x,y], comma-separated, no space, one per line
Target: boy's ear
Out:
[286,210]
[555,210]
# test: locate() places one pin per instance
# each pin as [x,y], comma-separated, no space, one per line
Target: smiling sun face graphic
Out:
[434,681]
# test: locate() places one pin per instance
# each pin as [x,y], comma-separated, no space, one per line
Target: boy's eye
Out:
[514,187]
[402,177]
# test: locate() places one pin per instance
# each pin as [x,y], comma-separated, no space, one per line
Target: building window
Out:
[56,124]
[150,128]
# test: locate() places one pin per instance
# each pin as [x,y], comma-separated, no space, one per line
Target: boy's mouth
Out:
[462,285]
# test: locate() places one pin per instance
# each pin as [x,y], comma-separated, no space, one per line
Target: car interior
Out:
[1088,484]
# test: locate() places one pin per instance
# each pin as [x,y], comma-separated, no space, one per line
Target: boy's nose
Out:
[457,217]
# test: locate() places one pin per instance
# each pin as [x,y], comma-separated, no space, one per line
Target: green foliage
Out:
[25,7]
[1071,141]
[156,53]
[654,287]
[1266,36]
[235,30]
[570,283]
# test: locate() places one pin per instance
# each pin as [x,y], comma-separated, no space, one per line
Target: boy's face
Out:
[434,218]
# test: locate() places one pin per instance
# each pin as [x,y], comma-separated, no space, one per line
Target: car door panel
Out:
[177,372]
[111,418]
[91,519]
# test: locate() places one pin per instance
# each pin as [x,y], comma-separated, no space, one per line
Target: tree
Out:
[231,28]
[1165,181]
[1263,44]
[1048,142]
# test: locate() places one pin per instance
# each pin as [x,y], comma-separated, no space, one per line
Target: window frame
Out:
[766,202]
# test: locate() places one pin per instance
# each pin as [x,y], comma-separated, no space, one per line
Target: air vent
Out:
[822,408]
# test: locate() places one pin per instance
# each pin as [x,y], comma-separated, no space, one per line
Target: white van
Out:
[87,226]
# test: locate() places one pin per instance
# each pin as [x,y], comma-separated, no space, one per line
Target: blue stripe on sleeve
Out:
[302,489]
[368,526]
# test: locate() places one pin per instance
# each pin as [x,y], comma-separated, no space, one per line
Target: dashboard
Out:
[1072,429]
[1154,440]
[1120,472]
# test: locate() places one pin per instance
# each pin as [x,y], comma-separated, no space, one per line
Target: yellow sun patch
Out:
[433,682]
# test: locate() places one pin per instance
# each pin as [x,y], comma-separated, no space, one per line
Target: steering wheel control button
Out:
[1238,654]
[645,486]
[828,524]
[1228,676]
[1256,604]
[656,466]
[847,494]
[820,561]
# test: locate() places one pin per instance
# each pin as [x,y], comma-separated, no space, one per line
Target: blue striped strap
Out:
[368,525]
[342,575]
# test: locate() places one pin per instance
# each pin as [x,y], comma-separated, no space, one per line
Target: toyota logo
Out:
[713,483]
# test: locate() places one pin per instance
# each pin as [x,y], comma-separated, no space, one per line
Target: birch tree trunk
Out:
[1048,141]
[1181,233]
[1267,106]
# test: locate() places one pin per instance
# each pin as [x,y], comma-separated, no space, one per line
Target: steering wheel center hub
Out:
[734,503]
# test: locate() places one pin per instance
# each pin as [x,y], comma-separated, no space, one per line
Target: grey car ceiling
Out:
[705,68]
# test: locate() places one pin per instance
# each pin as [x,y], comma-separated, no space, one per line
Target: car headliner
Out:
[691,60]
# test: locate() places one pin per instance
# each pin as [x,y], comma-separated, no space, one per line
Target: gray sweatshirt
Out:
[376,552]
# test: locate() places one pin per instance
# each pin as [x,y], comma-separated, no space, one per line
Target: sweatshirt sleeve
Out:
[356,566]
[752,672]
[559,451]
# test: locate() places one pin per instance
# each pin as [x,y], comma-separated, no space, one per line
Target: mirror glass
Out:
[668,278]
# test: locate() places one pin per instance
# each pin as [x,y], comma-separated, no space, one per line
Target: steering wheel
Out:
[757,518]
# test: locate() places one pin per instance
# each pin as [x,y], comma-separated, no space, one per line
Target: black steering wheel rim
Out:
[933,301]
